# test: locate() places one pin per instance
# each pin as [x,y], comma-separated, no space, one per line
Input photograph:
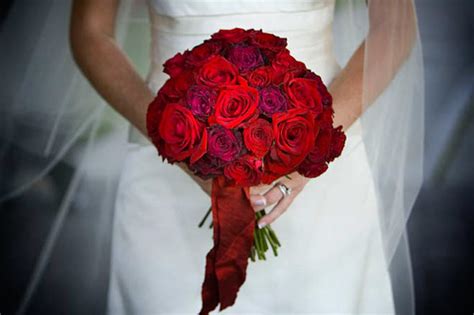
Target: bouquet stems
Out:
[264,238]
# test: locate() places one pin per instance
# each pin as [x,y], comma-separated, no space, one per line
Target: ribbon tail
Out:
[226,263]
[210,289]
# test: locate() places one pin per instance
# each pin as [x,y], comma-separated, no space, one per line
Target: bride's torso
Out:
[180,25]
[332,257]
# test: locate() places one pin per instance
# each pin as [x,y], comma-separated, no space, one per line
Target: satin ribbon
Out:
[226,263]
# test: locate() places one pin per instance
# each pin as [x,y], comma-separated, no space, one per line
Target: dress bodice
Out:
[180,25]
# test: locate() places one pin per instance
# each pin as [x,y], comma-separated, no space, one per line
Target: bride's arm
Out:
[390,22]
[103,63]
[109,70]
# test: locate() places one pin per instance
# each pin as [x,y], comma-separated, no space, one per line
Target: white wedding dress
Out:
[331,260]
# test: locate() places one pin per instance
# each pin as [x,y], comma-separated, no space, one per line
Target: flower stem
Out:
[257,245]
[252,253]
[264,237]
[205,217]
[273,235]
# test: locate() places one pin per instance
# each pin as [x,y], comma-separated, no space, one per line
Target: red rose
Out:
[258,137]
[303,93]
[326,98]
[245,171]
[169,93]
[180,131]
[325,118]
[153,116]
[269,44]
[207,167]
[245,57]
[275,167]
[268,41]
[217,72]
[283,64]
[183,81]
[175,88]
[308,74]
[201,149]
[224,144]
[312,170]
[338,141]
[260,77]
[322,145]
[328,145]
[294,132]
[175,64]
[235,106]
[234,35]
[201,53]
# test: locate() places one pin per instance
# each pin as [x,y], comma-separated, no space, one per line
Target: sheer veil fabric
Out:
[62,119]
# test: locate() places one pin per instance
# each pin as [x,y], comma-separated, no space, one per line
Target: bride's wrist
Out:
[299,177]
[142,110]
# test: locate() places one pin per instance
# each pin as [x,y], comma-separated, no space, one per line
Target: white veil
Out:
[392,120]
[50,114]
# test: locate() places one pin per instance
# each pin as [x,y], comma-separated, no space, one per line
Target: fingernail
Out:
[261,225]
[260,202]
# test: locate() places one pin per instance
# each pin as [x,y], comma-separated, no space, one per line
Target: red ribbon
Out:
[226,263]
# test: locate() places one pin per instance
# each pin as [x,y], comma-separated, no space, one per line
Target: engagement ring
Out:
[286,191]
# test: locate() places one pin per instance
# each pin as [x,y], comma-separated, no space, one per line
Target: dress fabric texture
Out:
[331,260]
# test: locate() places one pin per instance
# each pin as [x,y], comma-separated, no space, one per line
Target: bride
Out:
[339,231]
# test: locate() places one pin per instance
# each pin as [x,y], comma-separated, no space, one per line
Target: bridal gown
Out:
[331,260]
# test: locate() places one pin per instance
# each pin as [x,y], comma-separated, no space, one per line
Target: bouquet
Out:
[240,110]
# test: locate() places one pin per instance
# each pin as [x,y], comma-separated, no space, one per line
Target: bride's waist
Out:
[195,18]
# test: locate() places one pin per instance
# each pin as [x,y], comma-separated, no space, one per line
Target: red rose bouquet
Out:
[239,109]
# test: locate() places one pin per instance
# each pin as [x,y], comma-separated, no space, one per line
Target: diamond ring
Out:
[286,191]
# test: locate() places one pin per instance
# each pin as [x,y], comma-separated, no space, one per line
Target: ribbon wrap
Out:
[226,263]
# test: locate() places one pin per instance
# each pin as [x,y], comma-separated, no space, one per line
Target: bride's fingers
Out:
[257,198]
[260,189]
[271,197]
[258,202]
[277,211]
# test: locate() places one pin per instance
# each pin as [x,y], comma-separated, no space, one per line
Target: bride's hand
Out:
[206,185]
[266,195]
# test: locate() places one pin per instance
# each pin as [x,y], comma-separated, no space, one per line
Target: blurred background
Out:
[441,227]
